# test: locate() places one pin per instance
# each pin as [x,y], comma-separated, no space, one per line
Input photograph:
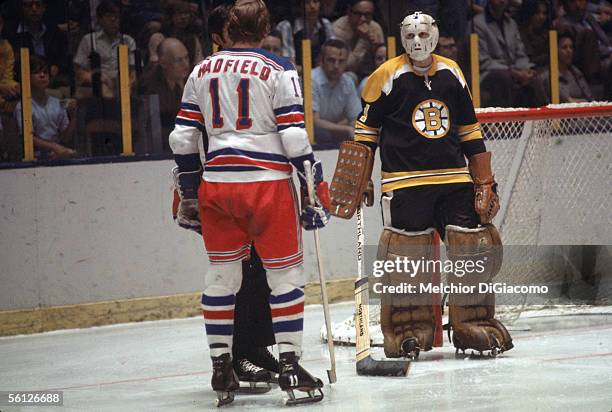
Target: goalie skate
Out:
[253,379]
[293,377]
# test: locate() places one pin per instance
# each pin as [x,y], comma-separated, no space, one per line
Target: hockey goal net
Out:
[553,166]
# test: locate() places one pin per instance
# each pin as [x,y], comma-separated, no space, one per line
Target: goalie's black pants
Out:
[417,208]
[252,316]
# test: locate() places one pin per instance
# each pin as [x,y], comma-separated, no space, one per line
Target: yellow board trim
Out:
[36,320]
[475,64]
[26,106]
[126,110]
[307,76]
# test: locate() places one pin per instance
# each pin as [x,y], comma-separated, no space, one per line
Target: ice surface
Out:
[561,363]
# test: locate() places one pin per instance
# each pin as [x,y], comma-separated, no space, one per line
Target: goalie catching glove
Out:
[185,208]
[486,201]
[315,215]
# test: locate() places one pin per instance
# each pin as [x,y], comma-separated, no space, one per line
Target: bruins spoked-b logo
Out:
[430,118]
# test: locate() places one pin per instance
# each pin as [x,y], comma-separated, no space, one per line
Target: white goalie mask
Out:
[419,35]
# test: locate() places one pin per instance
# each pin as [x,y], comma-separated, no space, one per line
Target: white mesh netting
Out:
[553,167]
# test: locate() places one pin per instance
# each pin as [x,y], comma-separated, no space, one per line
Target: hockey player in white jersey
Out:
[242,120]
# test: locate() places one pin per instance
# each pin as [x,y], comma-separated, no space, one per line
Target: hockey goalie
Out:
[418,111]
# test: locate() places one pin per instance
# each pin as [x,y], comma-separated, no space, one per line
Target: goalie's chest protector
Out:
[420,117]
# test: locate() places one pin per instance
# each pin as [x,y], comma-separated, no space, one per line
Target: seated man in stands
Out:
[167,79]
[361,35]
[101,50]
[52,127]
[507,75]
[335,102]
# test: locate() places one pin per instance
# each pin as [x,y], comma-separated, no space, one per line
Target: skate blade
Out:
[254,389]
[224,397]
[476,355]
[312,397]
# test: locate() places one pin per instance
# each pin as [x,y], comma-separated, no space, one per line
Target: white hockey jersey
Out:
[242,109]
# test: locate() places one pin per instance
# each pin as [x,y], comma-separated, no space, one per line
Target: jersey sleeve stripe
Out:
[191,123]
[190,106]
[282,127]
[290,118]
[471,136]
[362,125]
[297,108]
[185,114]
[365,138]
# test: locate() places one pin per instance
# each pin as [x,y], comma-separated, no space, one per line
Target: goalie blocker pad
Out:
[353,171]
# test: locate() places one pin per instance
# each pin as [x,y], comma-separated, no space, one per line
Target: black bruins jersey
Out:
[423,125]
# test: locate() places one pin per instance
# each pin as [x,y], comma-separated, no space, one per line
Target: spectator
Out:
[447,47]
[308,25]
[335,102]
[535,19]
[50,122]
[273,42]
[507,77]
[593,47]
[43,40]
[103,43]
[9,88]
[573,88]
[180,24]
[380,56]
[167,80]
[361,34]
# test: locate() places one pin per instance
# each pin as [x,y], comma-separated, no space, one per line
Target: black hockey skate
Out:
[410,348]
[258,379]
[262,357]
[293,377]
[224,379]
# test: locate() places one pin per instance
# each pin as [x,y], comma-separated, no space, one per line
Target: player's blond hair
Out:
[249,21]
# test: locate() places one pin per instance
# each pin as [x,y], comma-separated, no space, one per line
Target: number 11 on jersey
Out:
[243,121]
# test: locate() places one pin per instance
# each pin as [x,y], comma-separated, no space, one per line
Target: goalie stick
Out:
[331,373]
[366,365]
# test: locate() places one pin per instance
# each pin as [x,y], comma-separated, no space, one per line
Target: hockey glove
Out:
[185,208]
[486,201]
[315,215]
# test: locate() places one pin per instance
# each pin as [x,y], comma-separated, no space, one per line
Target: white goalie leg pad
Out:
[287,305]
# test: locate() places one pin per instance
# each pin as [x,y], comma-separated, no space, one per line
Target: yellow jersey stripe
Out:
[477,134]
[365,138]
[428,180]
[391,175]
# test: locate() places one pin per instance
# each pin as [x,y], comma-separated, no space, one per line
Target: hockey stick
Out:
[331,373]
[366,365]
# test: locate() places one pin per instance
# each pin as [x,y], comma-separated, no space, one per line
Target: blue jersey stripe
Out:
[190,123]
[190,106]
[289,109]
[253,155]
[286,126]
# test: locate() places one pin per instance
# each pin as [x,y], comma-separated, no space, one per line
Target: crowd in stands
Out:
[73,48]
